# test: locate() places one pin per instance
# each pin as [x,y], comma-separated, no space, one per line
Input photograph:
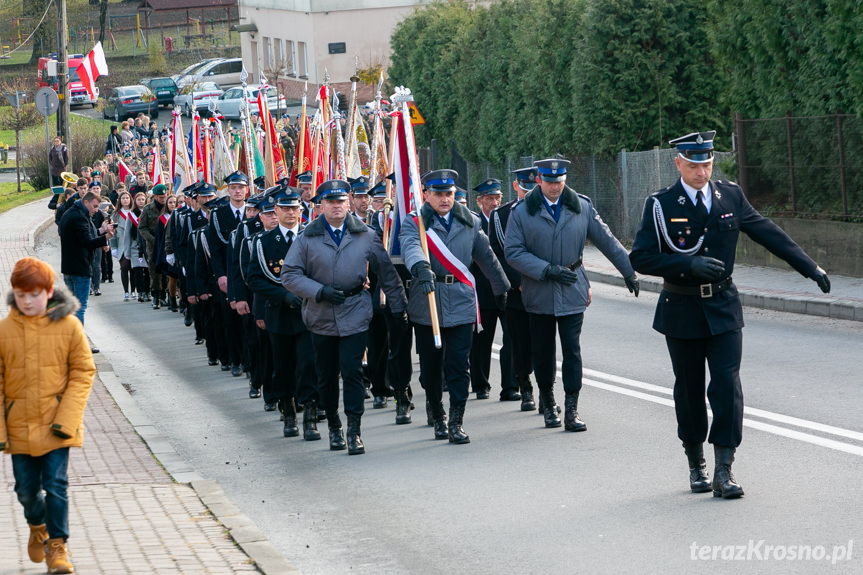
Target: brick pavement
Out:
[126,512]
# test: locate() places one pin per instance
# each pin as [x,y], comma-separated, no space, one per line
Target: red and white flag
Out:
[124,171]
[93,66]
[156,166]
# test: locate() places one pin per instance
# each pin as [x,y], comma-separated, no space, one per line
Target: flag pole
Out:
[402,97]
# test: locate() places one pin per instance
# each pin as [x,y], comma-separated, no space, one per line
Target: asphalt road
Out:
[520,498]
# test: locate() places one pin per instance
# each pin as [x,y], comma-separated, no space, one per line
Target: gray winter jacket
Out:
[534,240]
[315,261]
[467,242]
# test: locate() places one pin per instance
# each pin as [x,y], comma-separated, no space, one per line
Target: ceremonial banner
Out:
[91,67]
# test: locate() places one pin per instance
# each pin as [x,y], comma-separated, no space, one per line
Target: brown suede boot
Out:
[36,544]
[55,554]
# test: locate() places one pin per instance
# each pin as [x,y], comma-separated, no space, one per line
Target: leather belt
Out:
[354,291]
[448,279]
[703,290]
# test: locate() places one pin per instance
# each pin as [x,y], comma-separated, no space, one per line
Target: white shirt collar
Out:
[692,192]
[549,202]
[285,230]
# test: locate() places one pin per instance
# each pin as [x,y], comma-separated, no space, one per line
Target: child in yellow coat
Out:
[46,372]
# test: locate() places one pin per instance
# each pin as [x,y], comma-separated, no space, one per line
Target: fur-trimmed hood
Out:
[534,200]
[459,212]
[61,304]
[352,224]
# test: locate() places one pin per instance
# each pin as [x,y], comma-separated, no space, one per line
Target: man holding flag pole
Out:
[439,240]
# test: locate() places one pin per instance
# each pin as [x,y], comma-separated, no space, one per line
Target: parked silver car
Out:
[197,97]
[231,102]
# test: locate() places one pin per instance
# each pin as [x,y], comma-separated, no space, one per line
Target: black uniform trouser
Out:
[451,361]
[399,360]
[198,321]
[262,374]
[377,355]
[293,367]
[345,355]
[156,286]
[215,330]
[232,333]
[107,266]
[518,324]
[544,350]
[722,353]
[480,353]
[250,342]
[207,316]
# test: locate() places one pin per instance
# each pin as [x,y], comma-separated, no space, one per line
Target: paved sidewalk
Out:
[761,287]
[127,514]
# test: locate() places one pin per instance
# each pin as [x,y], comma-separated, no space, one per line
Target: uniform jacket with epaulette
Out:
[496,239]
[534,240]
[315,261]
[672,232]
[467,242]
[222,223]
[237,287]
[268,254]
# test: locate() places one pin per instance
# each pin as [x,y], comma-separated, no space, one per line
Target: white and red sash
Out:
[453,265]
[133,218]
[164,219]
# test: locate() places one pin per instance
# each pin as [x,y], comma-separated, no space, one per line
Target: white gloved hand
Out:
[142,261]
[114,254]
[170,259]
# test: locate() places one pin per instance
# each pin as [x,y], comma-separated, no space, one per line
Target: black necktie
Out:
[338,234]
[237,217]
[699,205]
[290,238]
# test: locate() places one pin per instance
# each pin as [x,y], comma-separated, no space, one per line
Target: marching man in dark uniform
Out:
[488,196]
[224,220]
[688,235]
[294,377]
[458,235]
[545,240]
[304,182]
[327,267]
[517,322]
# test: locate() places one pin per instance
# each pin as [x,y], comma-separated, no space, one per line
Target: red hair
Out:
[31,274]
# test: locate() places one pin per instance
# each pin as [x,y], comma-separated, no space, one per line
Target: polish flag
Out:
[93,66]
[156,166]
[124,171]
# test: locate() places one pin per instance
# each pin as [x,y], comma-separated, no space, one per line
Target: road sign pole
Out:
[63,77]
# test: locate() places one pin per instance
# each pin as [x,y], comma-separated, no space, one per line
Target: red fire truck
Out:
[46,75]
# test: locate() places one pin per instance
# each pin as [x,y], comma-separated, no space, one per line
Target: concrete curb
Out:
[240,527]
[820,306]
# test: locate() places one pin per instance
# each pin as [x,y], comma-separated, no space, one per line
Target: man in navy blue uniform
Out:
[517,320]
[688,235]
[488,197]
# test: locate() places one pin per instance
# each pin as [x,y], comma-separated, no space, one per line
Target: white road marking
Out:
[747,422]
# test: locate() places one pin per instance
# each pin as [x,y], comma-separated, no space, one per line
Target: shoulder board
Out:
[662,191]
[583,197]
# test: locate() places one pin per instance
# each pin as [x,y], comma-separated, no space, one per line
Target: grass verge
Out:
[10,198]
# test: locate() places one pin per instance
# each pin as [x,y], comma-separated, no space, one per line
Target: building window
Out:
[303,60]
[291,52]
[268,53]
[277,53]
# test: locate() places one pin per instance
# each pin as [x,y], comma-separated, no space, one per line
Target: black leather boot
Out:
[699,482]
[429,414]
[456,432]
[337,437]
[310,422]
[527,402]
[403,407]
[724,485]
[355,442]
[549,408]
[571,422]
[172,304]
[187,316]
[439,422]
[289,413]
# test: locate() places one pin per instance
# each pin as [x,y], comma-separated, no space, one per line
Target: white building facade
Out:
[305,38]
